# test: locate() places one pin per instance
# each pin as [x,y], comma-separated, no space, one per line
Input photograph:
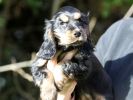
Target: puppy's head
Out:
[70,26]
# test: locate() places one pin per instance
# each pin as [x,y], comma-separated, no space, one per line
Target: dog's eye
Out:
[81,20]
[63,23]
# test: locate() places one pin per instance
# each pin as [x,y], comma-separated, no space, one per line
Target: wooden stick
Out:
[25,75]
[129,12]
[15,66]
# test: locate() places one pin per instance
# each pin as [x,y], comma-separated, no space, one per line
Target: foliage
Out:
[108,5]
[35,4]
[21,33]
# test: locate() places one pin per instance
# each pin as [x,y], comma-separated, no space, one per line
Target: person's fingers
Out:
[51,65]
[70,87]
[65,94]
[61,80]
[47,88]
[70,90]
[53,62]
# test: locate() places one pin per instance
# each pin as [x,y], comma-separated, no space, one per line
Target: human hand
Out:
[65,84]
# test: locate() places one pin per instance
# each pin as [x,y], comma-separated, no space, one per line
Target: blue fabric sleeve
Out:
[115,52]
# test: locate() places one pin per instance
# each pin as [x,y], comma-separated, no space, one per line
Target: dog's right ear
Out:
[48,47]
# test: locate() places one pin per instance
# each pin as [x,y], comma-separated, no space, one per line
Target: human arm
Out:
[65,84]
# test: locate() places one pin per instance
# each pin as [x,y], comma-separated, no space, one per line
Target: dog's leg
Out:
[44,79]
[36,70]
[60,78]
[48,90]
[75,70]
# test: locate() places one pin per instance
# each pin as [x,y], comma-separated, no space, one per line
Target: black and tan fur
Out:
[67,31]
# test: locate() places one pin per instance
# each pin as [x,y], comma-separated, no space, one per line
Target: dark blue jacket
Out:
[115,51]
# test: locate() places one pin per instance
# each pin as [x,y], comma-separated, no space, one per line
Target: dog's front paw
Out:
[75,71]
[38,70]
[38,76]
[70,69]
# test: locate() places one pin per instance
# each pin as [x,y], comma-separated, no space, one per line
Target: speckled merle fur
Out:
[84,66]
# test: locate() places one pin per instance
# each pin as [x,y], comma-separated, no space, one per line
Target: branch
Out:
[24,75]
[15,66]
[92,24]
[56,5]
[129,12]
[20,90]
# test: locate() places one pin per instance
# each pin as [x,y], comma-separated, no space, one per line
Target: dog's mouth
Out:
[77,43]
[72,43]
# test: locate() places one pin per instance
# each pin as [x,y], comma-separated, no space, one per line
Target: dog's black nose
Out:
[77,34]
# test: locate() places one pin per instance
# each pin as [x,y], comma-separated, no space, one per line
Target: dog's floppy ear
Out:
[48,47]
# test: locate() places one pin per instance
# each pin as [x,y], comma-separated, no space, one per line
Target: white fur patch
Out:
[64,18]
[77,15]
[40,62]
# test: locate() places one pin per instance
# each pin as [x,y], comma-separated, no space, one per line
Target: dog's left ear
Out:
[48,47]
[89,43]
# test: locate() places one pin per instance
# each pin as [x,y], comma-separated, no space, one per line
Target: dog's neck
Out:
[85,48]
[67,48]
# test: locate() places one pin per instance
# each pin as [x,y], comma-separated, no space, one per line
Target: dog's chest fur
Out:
[94,84]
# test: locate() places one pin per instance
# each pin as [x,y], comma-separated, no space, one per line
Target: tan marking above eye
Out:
[64,18]
[77,15]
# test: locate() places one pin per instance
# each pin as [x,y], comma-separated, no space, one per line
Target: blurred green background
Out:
[21,34]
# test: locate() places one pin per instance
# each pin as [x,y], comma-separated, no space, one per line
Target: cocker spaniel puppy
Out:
[66,32]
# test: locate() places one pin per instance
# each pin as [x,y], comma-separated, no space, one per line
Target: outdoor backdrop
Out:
[21,34]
